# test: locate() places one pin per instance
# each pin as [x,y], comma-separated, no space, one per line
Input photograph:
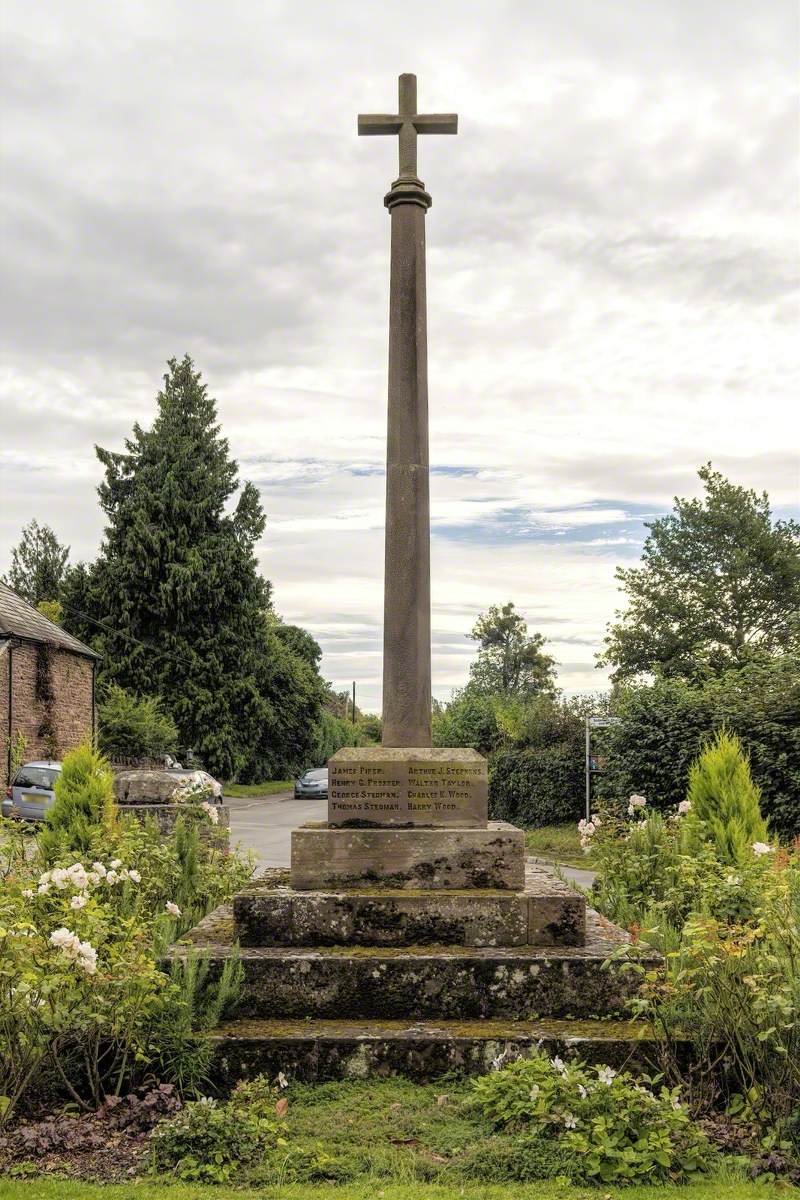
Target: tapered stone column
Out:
[407,582]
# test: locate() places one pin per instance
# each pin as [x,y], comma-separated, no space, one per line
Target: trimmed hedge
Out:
[666,725]
[541,785]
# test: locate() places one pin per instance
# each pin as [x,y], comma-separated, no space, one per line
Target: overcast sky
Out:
[612,281]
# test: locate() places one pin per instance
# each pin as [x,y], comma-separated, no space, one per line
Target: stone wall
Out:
[51,726]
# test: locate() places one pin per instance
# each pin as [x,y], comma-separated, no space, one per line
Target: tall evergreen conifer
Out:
[184,613]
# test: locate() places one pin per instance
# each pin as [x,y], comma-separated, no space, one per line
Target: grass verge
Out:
[560,843]
[237,790]
[731,1187]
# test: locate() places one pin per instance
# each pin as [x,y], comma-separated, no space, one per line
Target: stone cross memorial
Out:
[410,934]
[405,782]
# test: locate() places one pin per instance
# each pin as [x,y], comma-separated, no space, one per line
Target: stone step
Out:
[420,982]
[268,912]
[315,1050]
[324,857]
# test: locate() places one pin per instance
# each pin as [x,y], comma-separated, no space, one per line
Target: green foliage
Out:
[132,726]
[16,748]
[330,734]
[53,610]
[719,585]
[664,726]
[510,660]
[731,936]
[38,564]
[209,1141]
[470,719]
[83,813]
[175,602]
[371,726]
[724,802]
[619,1128]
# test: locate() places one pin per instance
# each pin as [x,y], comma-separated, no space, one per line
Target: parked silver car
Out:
[312,785]
[31,792]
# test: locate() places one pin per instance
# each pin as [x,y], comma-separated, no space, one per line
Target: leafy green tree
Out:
[38,564]
[175,602]
[725,803]
[131,726]
[510,660]
[719,583]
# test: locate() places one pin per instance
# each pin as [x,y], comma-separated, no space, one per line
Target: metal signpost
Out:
[592,764]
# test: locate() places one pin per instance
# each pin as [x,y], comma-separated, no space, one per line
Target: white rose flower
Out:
[27,893]
[684,807]
[111,877]
[92,878]
[761,848]
[134,877]
[59,877]
[635,802]
[99,869]
[43,889]
[61,937]
[77,901]
[172,909]
[116,864]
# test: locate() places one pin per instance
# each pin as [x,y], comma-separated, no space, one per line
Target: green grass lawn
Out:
[727,1187]
[257,789]
[559,843]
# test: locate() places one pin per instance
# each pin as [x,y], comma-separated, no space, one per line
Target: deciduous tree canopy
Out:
[719,584]
[510,660]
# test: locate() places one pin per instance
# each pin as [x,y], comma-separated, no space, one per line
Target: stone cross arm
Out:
[407,122]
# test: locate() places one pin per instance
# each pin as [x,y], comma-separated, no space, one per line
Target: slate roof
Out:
[22,620]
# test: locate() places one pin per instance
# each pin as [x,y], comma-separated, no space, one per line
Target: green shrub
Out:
[131,726]
[83,814]
[724,802]
[733,988]
[208,1141]
[620,1128]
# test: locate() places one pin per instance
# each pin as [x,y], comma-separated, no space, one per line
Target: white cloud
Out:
[612,280]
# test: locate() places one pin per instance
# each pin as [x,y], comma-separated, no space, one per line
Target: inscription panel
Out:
[377,785]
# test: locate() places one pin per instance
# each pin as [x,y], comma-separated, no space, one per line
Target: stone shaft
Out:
[407,586]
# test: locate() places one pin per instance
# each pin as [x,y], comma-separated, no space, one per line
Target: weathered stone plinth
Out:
[424,982]
[546,913]
[407,786]
[324,858]
[316,1050]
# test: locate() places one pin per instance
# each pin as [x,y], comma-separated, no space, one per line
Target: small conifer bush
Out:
[84,808]
[724,802]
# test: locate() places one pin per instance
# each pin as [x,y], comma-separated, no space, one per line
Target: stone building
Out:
[47,684]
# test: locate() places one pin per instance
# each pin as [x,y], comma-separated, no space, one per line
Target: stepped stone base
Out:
[330,858]
[424,982]
[545,913]
[423,1050]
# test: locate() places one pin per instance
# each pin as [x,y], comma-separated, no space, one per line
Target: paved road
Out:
[265,824]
